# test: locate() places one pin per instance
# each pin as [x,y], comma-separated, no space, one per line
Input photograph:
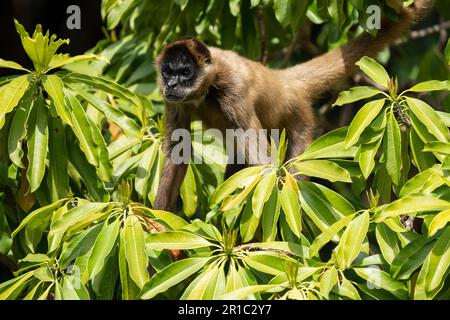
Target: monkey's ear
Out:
[201,50]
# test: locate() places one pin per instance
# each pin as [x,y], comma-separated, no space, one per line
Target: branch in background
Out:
[443,35]
[418,34]
[263,35]
[291,49]
[301,42]
[8,263]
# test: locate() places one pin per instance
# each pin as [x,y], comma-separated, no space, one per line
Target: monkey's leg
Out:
[297,143]
[170,184]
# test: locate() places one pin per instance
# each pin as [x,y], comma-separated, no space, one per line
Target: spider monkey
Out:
[228,91]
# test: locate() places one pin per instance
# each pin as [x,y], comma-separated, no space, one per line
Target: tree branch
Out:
[422,33]
[8,263]
[263,36]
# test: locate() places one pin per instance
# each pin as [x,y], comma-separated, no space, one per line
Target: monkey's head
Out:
[185,71]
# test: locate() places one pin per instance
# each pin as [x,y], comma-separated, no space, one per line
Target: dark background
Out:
[52,15]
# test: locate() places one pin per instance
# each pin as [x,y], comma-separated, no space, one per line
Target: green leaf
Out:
[445,117]
[70,219]
[37,144]
[108,86]
[129,290]
[231,184]
[328,234]
[58,177]
[235,201]
[11,289]
[270,215]
[10,95]
[352,239]
[347,289]
[175,240]
[297,13]
[40,48]
[128,125]
[262,193]
[73,289]
[282,148]
[432,85]
[12,65]
[290,202]
[383,280]
[172,275]
[438,222]
[18,128]
[328,280]
[188,192]
[330,145]
[387,241]
[440,147]
[144,170]
[423,179]
[235,7]
[410,258]
[104,169]
[243,293]
[248,222]
[104,244]
[410,206]
[37,216]
[82,129]
[366,157]
[323,169]
[323,206]
[135,250]
[209,285]
[54,87]
[281,8]
[422,160]
[60,60]
[172,220]
[429,118]
[268,262]
[392,149]
[435,268]
[79,245]
[374,70]
[336,11]
[356,94]
[87,173]
[362,120]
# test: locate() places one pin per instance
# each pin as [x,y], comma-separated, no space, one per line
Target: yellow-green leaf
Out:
[135,250]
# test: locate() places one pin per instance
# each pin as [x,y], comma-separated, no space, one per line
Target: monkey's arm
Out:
[253,143]
[172,174]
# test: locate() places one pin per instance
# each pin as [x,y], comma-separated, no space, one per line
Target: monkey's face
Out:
[183,76]
[179,72]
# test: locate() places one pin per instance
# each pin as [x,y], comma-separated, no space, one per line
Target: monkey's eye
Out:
[167,72]
[186,72]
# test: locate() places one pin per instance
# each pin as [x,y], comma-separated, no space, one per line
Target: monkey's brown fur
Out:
[231,92]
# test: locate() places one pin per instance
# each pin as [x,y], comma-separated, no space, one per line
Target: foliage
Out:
[80,162]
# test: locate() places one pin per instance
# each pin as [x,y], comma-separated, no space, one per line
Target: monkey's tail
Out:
[322,72]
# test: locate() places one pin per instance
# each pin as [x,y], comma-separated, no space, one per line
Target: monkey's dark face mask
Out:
[179,73]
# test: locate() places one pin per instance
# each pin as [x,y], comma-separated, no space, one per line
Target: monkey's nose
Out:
[172,85]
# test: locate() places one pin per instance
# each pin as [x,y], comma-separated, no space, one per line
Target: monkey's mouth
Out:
[173,97]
